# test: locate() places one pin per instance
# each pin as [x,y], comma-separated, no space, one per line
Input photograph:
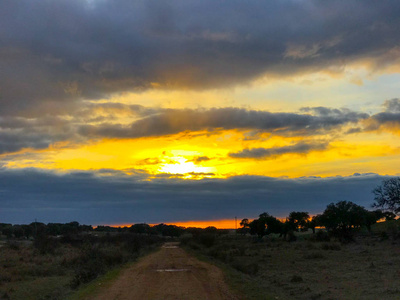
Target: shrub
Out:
[207,239]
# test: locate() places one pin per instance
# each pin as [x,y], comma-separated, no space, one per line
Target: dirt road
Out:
[168,274]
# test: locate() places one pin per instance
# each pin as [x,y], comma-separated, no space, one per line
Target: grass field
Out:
[271,268]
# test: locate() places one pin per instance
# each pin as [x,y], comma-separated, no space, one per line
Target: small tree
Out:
[299,220]
[244,227]
[387,195]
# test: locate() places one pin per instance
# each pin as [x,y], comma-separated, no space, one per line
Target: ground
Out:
[170,273]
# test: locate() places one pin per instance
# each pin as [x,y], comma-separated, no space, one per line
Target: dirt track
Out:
[168,274]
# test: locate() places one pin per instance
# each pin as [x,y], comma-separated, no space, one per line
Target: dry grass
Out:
[305,269]
[54,269]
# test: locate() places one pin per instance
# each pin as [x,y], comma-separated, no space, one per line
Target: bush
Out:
[207,239]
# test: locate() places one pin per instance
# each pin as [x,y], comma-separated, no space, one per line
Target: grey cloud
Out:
[101,120]
[199,159]
[171,121]
[392,105]
[56,53]
[299,148]
[388,119]
[17,133]
[109,197]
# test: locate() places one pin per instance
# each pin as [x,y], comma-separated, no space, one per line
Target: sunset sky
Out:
[121,112]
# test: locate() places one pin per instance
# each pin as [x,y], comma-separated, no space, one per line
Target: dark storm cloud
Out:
[109,197]
[68,50]
[299,148]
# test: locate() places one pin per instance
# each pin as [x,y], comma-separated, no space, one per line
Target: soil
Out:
[170,273]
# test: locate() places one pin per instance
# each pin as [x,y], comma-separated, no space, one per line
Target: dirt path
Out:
[168,274]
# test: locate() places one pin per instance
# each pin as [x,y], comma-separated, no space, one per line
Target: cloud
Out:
[109,197]
[388,120]
[54,54]
[200,159]
[172,121]
[261,153]
[95,121]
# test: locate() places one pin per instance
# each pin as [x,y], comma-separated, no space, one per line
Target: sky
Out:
[121,112]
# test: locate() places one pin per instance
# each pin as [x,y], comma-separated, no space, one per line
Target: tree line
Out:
[35,229]
[339,219]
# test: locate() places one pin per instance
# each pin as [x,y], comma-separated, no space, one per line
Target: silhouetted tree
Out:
[299,220]
[141,228]
[313,222]
[244,223]
[244,227]
[257,227]
[341,218]
[387,195]
[264,225]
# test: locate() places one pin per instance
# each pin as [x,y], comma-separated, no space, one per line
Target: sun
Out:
[181,165]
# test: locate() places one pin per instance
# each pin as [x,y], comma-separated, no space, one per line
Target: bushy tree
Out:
[387,195]
[265,225]
[299,220]
[341,218]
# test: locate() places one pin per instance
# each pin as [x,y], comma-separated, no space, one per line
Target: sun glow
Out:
[180,164]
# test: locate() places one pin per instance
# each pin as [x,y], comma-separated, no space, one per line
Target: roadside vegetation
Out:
[52,261]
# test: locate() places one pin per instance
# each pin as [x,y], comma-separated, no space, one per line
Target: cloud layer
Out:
[109,197]
[104,121]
